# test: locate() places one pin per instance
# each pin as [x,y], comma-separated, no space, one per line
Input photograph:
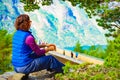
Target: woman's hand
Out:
[51,45]
[51,48]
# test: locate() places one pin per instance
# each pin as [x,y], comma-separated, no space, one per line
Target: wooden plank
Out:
[81,57]
[65,57]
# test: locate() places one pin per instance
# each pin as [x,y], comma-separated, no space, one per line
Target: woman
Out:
[27,56]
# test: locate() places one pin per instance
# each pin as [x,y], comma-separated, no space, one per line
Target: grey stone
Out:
[17,76]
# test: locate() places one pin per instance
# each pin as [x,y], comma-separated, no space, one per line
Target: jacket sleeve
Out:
[30,41]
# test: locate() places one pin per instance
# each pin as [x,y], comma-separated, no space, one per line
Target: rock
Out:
[40,75]
[2,78]
[10,78]
[6,75]
[18,76]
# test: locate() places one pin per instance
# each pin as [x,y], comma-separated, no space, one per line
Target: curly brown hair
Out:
[22,22]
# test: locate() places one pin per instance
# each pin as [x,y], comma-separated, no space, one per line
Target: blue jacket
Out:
[20,51]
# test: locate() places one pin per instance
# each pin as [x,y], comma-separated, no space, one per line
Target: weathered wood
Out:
[65,58]
[64,54]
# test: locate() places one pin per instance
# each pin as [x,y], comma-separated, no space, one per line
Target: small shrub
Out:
[5,51]
[87,71]
[78,47]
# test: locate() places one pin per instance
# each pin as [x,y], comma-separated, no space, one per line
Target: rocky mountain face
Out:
[59,23]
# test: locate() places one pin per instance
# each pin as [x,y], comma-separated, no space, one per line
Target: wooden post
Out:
[64,52]
[71,54]
[76,54]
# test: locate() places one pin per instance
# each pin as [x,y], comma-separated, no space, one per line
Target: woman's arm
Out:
[30,41]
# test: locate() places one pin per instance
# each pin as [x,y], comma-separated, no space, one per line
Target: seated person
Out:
[27,56]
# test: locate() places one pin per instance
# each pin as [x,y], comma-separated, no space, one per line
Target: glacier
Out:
[60,23]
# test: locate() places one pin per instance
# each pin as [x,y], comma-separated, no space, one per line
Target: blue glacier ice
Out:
[59,23]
